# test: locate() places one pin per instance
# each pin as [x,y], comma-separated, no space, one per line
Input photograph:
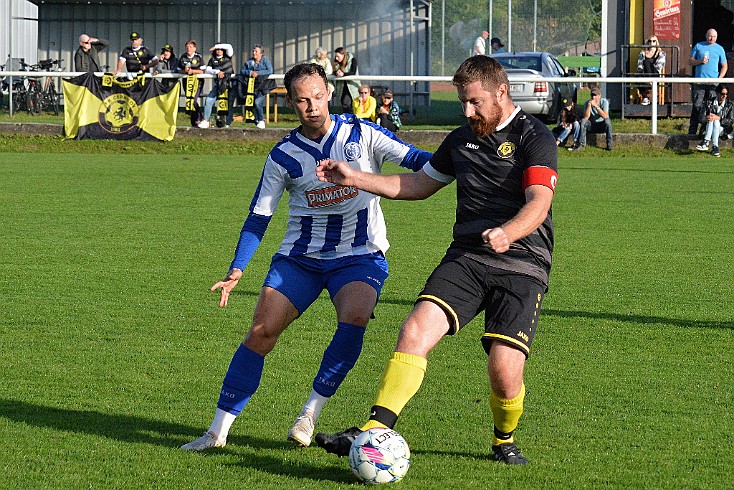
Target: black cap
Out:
[496,40]
[167,47]
[566,102]
[134,36]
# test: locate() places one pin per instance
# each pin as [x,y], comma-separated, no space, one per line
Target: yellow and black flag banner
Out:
[106,108]
[223,103]
[250,100]
[191,91]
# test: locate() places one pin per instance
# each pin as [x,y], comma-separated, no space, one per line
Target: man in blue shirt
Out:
[596,119]
[709,60]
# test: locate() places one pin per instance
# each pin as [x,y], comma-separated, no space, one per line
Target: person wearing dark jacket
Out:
[87,56]
[167,63]
[219,65]
[718,119]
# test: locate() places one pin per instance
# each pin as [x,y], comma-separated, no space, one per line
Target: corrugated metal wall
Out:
[378,33]
[18,18]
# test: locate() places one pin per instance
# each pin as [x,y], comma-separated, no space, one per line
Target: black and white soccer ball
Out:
[379,456]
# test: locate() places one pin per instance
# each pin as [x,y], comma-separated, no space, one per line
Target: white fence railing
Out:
[600,81]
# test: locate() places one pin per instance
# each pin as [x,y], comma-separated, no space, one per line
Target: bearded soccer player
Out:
[505,165]
[336,240]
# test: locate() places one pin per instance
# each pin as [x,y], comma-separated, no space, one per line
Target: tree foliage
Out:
[562,26]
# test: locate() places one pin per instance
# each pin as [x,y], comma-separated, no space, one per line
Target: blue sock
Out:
[241,380]
[339,357]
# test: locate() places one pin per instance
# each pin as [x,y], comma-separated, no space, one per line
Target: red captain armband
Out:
[539,175]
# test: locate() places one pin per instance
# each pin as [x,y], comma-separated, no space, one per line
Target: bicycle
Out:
[39,98]
[19,87]
[51,96]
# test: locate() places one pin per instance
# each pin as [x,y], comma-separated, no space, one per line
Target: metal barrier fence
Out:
[597,81]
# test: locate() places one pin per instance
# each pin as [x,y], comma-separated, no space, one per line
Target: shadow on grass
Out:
[133,429]
[637,319]
[619,317]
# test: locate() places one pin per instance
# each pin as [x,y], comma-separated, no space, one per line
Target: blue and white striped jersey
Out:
[327,221]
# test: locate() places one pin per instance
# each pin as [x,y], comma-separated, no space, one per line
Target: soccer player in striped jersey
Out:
[335,240]
[505,164]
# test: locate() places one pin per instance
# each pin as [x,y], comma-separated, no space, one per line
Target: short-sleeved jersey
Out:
[716,55]
[136,58]
[196,62]
[325,220]
[491,175]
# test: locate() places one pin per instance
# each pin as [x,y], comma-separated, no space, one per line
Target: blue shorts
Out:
[301,279]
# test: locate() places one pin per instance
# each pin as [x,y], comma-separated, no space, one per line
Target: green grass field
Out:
[112,348]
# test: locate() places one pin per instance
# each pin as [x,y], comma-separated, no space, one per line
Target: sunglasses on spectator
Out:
[364,92]
[724,93]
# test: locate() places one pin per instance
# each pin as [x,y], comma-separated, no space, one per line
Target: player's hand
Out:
[335,172]
[497,239]
[227,284]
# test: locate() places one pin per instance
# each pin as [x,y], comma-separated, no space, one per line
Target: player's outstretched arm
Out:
[227,285]
[406,186]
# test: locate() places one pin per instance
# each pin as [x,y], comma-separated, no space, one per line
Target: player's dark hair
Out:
[303,70]
[483,69]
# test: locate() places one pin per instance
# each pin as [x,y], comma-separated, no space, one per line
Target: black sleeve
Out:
[352,67]
[441,159]
[101,44]
[78,61]
[226,66]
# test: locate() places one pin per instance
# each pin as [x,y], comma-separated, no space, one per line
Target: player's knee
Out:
[355,317]
[260,340]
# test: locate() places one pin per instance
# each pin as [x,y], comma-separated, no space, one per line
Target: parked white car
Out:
[538,97]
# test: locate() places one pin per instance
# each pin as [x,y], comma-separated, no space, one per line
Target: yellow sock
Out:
[506,414]
[401,380]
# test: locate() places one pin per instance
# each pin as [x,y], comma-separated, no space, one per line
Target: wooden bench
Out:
[276,92]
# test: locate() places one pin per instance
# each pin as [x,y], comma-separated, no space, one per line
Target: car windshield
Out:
[521,62]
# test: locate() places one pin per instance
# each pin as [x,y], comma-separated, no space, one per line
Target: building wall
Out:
[18,30]
[378,33]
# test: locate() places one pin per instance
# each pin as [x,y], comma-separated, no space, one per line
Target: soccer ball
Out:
[379,456]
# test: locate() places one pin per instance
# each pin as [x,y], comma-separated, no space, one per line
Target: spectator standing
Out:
[335,240]
[259,66]
[497,46]
[389,113]
[136,57]
[651,62]
[167,63]
[709,60]
[365,106]
[596,120]
[87,55]
[480,44]
[345,64]
[192,63]
[220,65]
[718,119]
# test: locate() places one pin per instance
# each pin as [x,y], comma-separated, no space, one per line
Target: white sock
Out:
[315,403]
[222,423]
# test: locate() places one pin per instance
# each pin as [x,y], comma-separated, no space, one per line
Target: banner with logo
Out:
[666,20]
[107,108]
[249,93]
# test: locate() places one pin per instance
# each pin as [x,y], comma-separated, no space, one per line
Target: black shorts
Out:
[511,302]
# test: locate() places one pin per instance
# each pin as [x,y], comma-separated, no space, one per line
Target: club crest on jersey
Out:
[353,151]
[506,149]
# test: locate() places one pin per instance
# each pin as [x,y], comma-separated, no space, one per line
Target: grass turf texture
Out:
[112,350]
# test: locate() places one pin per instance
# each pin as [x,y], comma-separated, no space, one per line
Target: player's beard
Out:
[484,126]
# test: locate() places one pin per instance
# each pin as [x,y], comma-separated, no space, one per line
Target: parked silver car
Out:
[538,97]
